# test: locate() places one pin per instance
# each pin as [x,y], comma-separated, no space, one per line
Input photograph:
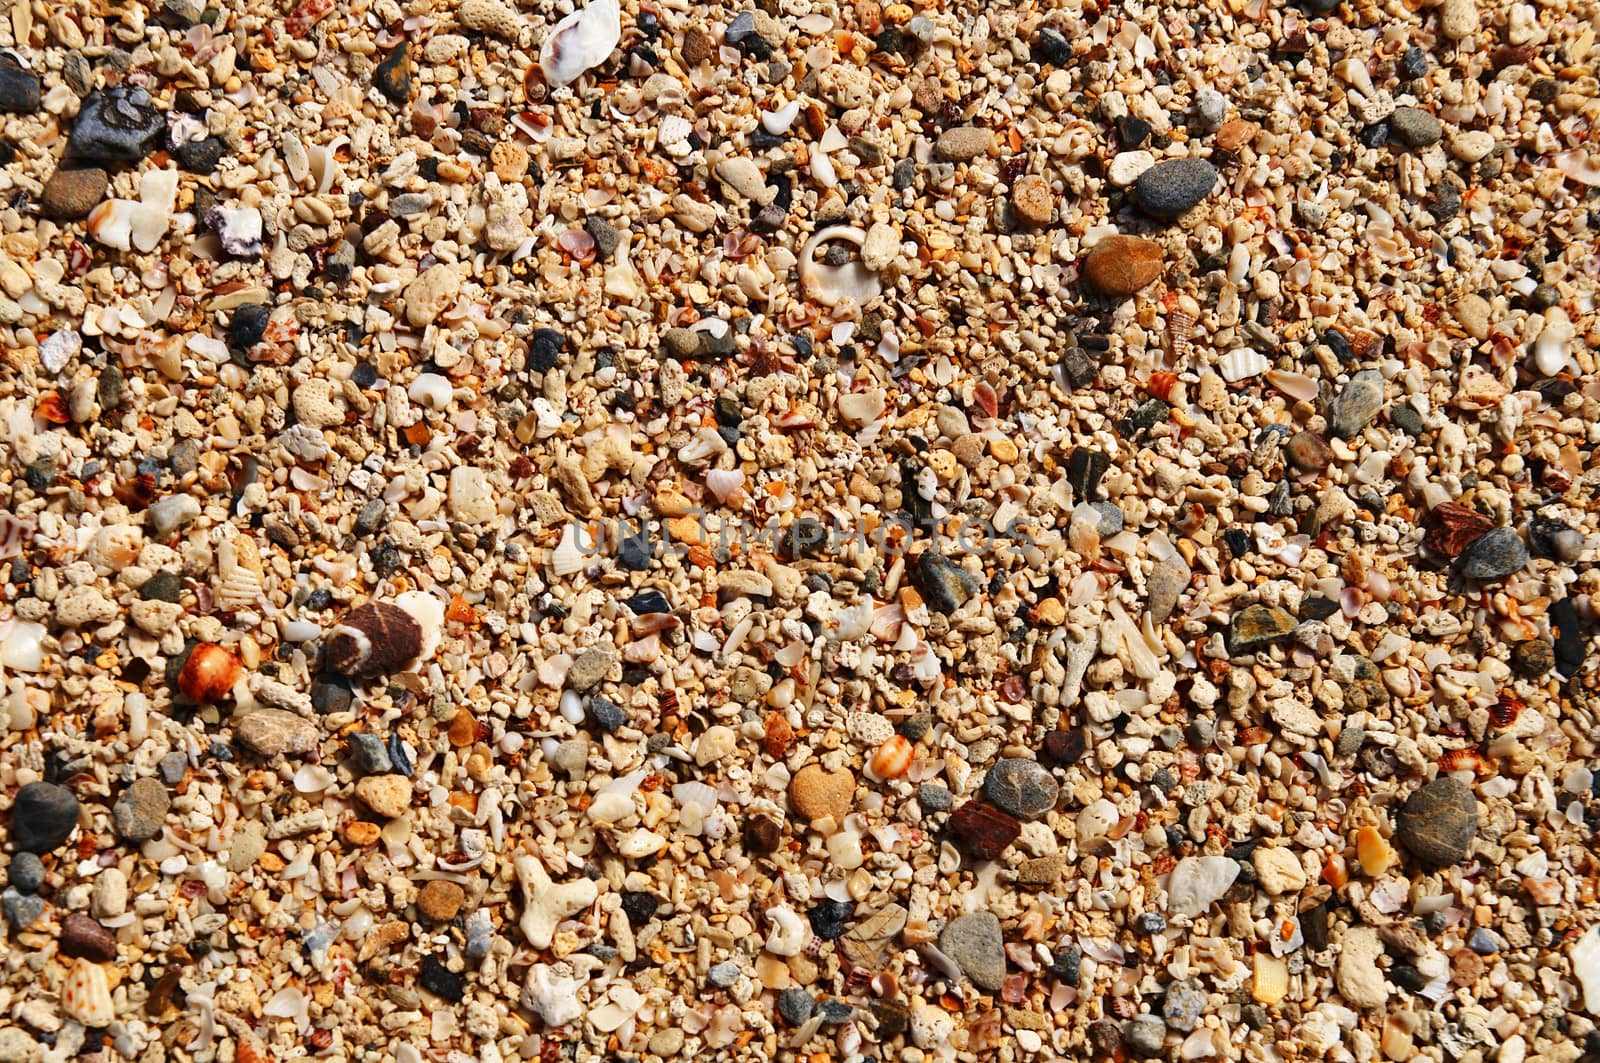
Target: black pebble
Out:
[43,816]
[606,714]
[19,88]
[634,552]
[248,325]
[649,602]
[120,124]
[544,349]
[331,693]
[639,907]
[828,918]
[202,156]
[1414,63]
[1050,48]
[441,981]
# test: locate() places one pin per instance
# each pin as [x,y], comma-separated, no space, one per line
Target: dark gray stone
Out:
[19,88]
[1493,556]
[43,817]
[1170,188]
[945,585]
[26,872]
[369,753]
[1414,128]
[1356,405]
[795,1006]
[119,124]
[1021,787]
[934,797]
[605,235]
[1438,823]
[22,910]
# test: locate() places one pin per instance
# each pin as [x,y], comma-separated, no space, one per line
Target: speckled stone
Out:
[1021,787]
[977,946]
[1174,186]
[1438,822]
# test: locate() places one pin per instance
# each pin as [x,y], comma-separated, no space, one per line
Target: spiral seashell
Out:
[239,573]
[376,639]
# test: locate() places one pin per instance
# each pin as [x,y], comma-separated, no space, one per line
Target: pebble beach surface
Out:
[818,531]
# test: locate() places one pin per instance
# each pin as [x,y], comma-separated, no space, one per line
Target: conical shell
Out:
[239,573]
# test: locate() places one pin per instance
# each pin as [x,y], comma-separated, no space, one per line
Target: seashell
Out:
[127,225]
[86,995]
[581,41]
[567,558]
[1552,350]
[1242,364]
[724,482]
[706,445]
[778,122]
[850,284]
[296,160]
[892,759]
[1295,385]
[239,229]
[428,612]
[1577,165]
[209,674]
[376,639]
[239,573]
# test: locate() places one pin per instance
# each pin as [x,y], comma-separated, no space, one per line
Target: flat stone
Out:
[270,732]
[1358,975]
[43,816]
[19,88]
[71,194]
[963,143]
[816,793]
[1356,405]
[591,666]
[945,585]
[1168,579]
[795,1005]
[1494,555]
[1451,527]
[983,831]
[977,946]
[1256,627]
[1042,870]
[21,910]
[1119,266]
[1169,188]
[1438,823]
[1032,202]
[141,810]
[249,842]
[1021,787]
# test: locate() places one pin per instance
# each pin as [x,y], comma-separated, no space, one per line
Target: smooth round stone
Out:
[1118,266]
[723,975]
[43,817]
[71,194]
[1022,788]
[1494,555]
[1170,188]
[26,873]
[1414,128]
[1438,822]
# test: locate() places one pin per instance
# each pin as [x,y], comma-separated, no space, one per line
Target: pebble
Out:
[1183,1005]
[934,797]
[815,793]
[1021,787]
[1533,658]
[140,812]
[1042,870]
[591,667]
[174,767]
[1308,452]
[1210,107]
[1414,128]
[83,937]
[22,910]
[437,978]
[1356,405]
[945,585]
[19,88]
[439,900]
[1472,146]
[1119,266]
[1144,1035]
[1170,188]
[1458,19]
[392,76]
[1255,627]
[982,831]
[1494,555]
[723,975]
[387,795]
[43,816]
[26,872]
[606,715]
[977,946]
[118,124]
[271,732]
[71,193]
[1198,882]
[795,1005]
[1032,202]
[963,143]
[1358,974]
[1438,822]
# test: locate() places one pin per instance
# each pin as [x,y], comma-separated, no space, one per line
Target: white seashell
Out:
[581,41]
[428,612]
[1577,165]
[1552,350]
[21,645]
[1242,364]
[778,122]
[238,228]
[850,284]
[1295,385]
[430,390]
[724,482]
[823,171]
[86,995]
[706,444]
[312,779]
[125,225]
[567,558]
[239,573]
[295,159]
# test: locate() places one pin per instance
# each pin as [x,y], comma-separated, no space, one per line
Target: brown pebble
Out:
[983,831]
[760,835]
[1308,452]
[82,936]
[72,194]
[387,795]
[963,143]
[1236,133]
[1452,527]
[1119,266]
[1465,969]
[440,900]
[1031,201]
[698,46]
[815,793]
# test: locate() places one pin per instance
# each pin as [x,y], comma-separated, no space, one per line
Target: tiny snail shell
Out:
[376,639]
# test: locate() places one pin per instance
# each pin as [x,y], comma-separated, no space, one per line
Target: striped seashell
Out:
[1179,328]
[1242,364]
[86,995]
[376,639]
[239,573]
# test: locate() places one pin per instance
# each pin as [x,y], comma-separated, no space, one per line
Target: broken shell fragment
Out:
[851,284]
[581,41]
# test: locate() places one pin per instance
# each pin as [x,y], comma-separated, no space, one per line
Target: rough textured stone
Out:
[1438,823]
[141,810]
[1414,128]
[43,817]
[1021,787]
[1257,626]
[71,194]
[119,124]
[273,731]
[1356,405]
[815,792]
[975,943]
[982,831]
[1494,555]
[1198,882]
[963,143]
[945,585]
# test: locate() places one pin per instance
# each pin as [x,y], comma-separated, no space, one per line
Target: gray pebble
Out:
[724,974]
[173,767]
[1414,128]
[1021,787]
[605,235]
[1170,188]
[934,797]
[976,945]
[369,753]
[1144,1034]
[1211,107]
[1495,555]
[141,810]
[795,1006]
[26,872]
[409,203]
[171,513]
[1356,405]
[1183,1005]
[1202,731]
[22,910]
[944,584]
[370,518]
